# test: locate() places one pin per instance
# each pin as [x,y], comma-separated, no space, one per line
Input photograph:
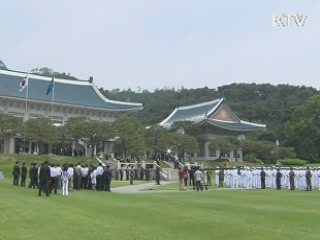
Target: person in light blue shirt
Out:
[1,176]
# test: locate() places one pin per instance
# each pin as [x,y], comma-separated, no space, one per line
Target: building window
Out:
[212,152]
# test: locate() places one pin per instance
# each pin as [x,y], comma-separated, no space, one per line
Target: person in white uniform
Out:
[65,180]
[198,177]
[59,172]
[71,172]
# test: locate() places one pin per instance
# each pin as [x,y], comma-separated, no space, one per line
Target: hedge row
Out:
[293,162]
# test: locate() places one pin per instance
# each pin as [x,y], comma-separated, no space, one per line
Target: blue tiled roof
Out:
[67,92]
[240,126]
[200,114]
[191,113]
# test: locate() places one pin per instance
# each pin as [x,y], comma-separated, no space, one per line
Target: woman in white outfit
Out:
[65,180]
[93,176]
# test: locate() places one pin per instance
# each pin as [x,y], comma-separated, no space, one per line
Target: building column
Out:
[195,156]
[231,156]
[108,147]
[73,148]
[6,146]
[30,147]
[217,153]
[206,150]
[95,150]
[88,150]
[49,149]
[240,158]
[36,148]
[12,144]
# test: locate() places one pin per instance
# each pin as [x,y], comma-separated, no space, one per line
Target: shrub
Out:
[252,159]
[293,162]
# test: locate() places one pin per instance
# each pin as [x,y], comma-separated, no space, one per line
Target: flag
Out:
[51,86]
[24,83]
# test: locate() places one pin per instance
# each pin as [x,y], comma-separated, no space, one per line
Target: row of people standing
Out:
[270,177]
[81,176]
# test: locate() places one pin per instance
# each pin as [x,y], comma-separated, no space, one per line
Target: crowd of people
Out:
[198,178]
[270,177]
[49,178]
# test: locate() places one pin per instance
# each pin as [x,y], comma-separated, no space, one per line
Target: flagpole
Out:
[52,99]
[27,96]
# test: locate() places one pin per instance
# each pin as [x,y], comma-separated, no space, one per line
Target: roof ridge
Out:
[198,104]
[39,77]
[253,124]
[139,105]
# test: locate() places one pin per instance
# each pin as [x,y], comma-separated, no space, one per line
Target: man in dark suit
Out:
[263,179]
[44,177]
[23,175]
[158,175]
[16,174]
[108,177]
[191,176]
[278,179]
[35,176]
[31,175]
[131,174]
[308,179]
[121,173]
[291,179]
[221,177]
[141,173]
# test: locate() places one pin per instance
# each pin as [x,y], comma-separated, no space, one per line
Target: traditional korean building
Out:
[72,98]
[216,120]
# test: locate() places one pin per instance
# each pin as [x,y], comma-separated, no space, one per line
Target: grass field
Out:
[241,215]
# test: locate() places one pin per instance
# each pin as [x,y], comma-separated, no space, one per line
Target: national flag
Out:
[24,83]
[51,86]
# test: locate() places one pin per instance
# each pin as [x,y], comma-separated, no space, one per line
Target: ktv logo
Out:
[288,20]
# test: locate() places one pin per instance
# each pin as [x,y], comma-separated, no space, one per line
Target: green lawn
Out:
[234,215]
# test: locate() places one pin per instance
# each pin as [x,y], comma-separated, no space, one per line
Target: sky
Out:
[153,44]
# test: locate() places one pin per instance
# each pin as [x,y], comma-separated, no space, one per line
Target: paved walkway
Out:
[138,189]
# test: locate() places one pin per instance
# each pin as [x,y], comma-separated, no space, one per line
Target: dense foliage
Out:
[276,106]
[263,103]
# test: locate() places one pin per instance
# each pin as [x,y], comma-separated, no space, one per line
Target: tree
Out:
[226,145]
[48,72]
[9,126]
[97,132]
[42,131]
[129,137]
[156,138]
[303,130]
[75,129]
[182,143]
[266,151]
[267,136]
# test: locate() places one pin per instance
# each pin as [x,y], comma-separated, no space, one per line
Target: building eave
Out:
[244,126]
